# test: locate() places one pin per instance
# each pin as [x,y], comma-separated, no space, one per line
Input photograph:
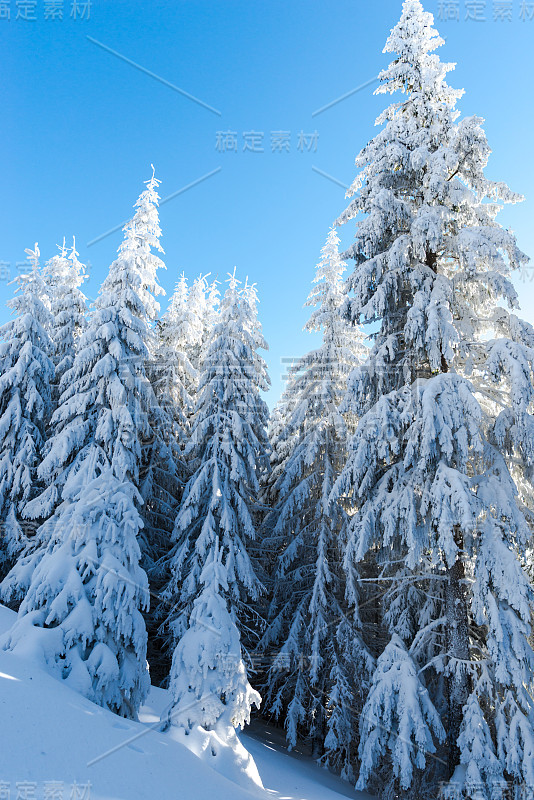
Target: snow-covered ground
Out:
[54,737]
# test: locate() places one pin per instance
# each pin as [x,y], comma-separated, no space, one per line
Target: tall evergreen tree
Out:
[59,291]
[159,478]
[173,379]
[81,615]
[208,683]
[26,374]
[107,399]
[314,642]
[197,303]
[174,375]
[63,275]
[88,556]
[445,408]
[398,719]
[213,301]
[229,450]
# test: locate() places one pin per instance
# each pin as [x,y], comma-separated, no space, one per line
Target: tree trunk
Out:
[457,636]
[319,734]
[457,632]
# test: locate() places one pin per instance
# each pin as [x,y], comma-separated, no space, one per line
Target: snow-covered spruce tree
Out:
[198,306]
[174,376]
[312,639]
[443,448]
[159,478]
[63,275]
[398,717]
[203,303]
[81,616]
[253,328]
[26,374]
[268,550]
[103,419]
[173,379]
[229,450]
[213,301]
[281,451]
[66,306]
[210,692]
[107,399]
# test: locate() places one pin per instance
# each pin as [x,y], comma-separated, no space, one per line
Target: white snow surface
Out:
[53,734]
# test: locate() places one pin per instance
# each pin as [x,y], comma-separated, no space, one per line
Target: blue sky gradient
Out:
[82,126]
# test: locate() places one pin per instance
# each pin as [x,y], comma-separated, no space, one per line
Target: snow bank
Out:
[53,735]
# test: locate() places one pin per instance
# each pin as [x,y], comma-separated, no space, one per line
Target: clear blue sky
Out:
[81,127]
